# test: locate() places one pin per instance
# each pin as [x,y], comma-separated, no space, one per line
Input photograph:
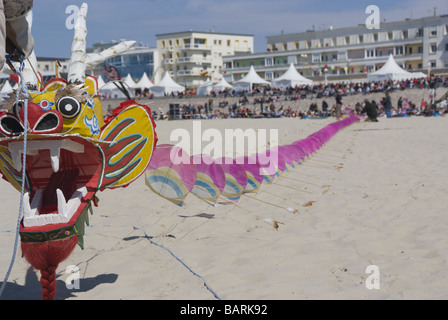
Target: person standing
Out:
[338,104]
[325,108]
[388,105]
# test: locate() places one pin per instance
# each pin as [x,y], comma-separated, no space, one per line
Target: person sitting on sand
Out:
[370,110]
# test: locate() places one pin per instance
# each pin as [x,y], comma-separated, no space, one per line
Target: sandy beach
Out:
[376,195]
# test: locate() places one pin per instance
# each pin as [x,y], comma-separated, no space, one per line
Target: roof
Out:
[204,32]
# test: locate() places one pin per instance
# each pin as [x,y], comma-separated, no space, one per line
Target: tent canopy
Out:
[247,82]
[166,86]
[144,82]
[205,88]
[290,78]
[392,71]
[222,85]
[129,81]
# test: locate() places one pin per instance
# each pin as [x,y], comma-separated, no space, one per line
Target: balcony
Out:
[196,46]
[195,60]
[191,72]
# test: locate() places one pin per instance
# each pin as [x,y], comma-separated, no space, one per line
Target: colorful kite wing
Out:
[171,174]
[236,179]
[211,179]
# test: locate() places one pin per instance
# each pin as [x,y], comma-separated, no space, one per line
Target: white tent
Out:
[111,91]
[290,78]
[205,88]
[144,83]
[247,82]
[222,85]
[166,86]
[392,71]
[129,82]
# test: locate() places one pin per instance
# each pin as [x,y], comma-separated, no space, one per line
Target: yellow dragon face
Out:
[79,105]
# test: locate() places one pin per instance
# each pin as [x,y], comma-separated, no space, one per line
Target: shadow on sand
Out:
[31,290]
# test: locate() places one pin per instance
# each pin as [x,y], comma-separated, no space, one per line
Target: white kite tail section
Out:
[94,59]
[77,68]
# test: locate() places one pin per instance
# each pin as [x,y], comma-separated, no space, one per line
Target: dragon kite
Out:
[72,152]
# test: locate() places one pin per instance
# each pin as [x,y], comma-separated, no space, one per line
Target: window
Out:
[420,49]
[361,38]
[229,43]
[308,44]
[446,29]
[284,46]
[375,37]
[390,35]
[347,40]
[410,50]
[433,48]
[433,63]
[405,34]
[433,32]
[419,32]
[446,46]
[399,50]
[370,53]
[163,44]
[268,62]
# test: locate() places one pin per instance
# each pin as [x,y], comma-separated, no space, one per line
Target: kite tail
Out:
[48,282]
[46,256]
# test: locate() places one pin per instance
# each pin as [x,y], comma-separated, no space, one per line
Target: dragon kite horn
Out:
[77,67]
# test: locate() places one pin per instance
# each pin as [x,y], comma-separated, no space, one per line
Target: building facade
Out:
[417,44]
[135,62]
[192,57]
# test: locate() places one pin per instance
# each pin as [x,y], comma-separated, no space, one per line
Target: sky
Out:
[141,20]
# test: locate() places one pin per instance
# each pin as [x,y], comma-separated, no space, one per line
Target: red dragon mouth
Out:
[62,175]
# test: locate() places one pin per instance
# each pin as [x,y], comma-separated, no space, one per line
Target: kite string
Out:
[24,90]
[178,259]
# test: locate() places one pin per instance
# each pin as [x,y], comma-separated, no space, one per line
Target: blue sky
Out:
[141,20]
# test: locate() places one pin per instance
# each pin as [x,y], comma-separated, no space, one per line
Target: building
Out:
[417,44]
[135,62]
[192,56]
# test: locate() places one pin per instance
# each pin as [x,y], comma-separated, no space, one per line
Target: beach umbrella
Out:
[210,180]
[170,173]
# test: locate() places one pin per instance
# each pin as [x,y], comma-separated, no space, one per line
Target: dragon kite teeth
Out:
[66,209]
[33,148]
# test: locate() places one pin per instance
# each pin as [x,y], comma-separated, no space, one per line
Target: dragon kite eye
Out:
[69,107]
[17,106]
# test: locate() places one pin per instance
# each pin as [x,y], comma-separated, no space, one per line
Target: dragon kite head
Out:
[71,154]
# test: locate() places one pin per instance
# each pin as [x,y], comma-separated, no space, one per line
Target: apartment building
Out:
[192,56]
[417,44]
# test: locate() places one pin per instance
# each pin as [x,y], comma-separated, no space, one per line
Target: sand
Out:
[379,192]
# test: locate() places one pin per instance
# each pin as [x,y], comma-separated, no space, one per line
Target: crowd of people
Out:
[326,101]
